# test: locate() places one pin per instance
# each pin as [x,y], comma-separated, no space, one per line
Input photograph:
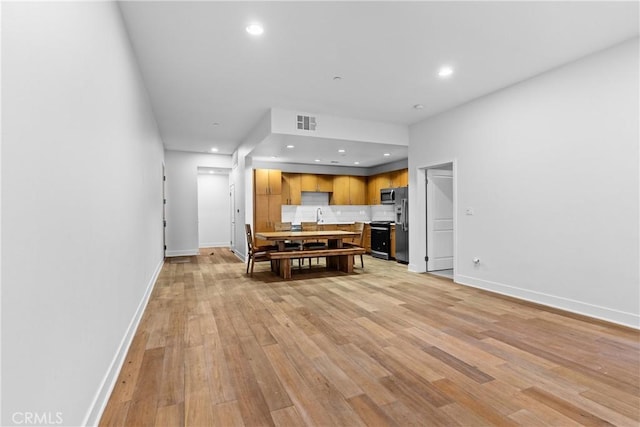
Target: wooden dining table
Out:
[338,258]
[334,237]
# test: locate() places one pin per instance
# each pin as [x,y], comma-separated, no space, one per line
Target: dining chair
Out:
[358,241]
[288,245]
[312,226]
[256,253]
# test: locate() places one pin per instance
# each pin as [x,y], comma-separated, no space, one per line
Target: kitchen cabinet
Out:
[392,249]
[318,183]
[267,200]
[400,178]
[345,227]
[267,211]
[291,189]
[357,190]
[267,181]
[373,191]
[366,241]
[387,179]
[348,190]
[340,194]
[375,183]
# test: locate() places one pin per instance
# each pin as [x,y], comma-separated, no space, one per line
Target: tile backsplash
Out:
[314,199]
[337,213]
[383,213]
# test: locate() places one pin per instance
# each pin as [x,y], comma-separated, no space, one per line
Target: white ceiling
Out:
[201,67]
[307,149]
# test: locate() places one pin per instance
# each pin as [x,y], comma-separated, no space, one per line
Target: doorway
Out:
[440,220]
[164,213]
[214,213]
[232,203]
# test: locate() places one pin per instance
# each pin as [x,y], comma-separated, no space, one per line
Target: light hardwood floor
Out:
[379,347]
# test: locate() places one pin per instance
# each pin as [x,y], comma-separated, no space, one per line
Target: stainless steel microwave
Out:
[387,196]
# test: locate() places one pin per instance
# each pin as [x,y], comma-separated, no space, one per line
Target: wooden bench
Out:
[337,258]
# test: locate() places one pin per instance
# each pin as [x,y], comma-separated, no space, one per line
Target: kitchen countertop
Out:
[335,223]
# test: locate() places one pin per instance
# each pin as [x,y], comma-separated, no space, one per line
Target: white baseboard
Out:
[239,255]
[214,244]
[182,252]
[416,269]
[603,313]
[108,383]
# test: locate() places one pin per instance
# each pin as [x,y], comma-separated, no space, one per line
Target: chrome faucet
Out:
[318,215]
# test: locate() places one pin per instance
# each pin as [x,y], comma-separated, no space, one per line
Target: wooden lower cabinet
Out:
[367,238]
[345,227]
[267,211]
[366,241]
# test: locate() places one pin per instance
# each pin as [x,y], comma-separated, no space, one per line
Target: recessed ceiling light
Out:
[386,154]
[316,160]
[255,29]
[341,150]
[273,157]
[214,150]
[418,106]
[445,71]
[356,163]
[211,171]
[290,146]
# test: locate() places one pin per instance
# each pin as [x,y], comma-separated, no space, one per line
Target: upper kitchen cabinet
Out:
[318,183]
[349,190]
[267,181]
[358,190]
[375,183]
[291,189]
[399,178]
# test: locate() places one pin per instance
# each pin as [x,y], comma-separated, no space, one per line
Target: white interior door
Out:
[439,219]
[232,203]
[213,210]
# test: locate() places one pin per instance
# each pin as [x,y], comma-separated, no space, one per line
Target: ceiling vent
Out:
[306,123]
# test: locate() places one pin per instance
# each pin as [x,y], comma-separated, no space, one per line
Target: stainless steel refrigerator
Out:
[402,224]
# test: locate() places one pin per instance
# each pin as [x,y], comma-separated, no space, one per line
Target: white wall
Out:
[214,216]
[182,198]
[242,178]
[550,167]
[284,122]
[82,206]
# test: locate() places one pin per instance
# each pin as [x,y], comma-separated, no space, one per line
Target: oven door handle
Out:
[380,228]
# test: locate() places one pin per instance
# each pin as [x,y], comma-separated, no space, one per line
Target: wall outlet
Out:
[468,211]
